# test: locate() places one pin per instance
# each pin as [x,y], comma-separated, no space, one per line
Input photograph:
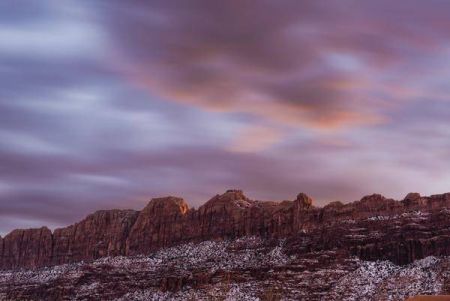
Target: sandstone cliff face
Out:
[226,215]
[164,222]
[159,224]
[168,221]
[102,233]
[27,248]
[404,238]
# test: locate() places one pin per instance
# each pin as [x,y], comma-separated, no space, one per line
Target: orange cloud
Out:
[298,63]
[255,139]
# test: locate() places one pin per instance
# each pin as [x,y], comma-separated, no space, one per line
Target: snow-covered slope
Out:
[244,269]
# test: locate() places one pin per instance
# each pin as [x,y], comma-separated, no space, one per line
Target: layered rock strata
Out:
[169,221]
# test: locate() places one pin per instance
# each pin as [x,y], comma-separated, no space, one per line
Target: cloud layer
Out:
[108,104]
[295,62]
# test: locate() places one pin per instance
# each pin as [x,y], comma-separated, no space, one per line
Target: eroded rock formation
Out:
[169,221]
[26,248]
[159,224]
[100,234]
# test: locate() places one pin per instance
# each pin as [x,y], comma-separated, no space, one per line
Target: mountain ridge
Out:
[169,221]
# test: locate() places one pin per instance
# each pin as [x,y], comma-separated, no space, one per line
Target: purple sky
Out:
[106,104]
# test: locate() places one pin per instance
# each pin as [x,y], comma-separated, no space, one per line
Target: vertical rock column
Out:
[299,210]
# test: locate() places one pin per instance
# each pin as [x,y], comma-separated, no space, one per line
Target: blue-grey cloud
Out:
[106,104]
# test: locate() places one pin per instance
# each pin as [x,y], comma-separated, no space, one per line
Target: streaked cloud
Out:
[303,63]
[107,104]
[255,139]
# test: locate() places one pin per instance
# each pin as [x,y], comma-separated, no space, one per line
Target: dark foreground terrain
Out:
[234,248]
[243,269]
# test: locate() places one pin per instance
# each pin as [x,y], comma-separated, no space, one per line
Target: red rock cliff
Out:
[159,224]
[169,221]
[102,233]
[27,248]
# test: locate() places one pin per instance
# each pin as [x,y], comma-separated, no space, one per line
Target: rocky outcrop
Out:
[102,233]
[248,268]
[385,228]
[161,223]
[403,238]
[27,248]
[226,216]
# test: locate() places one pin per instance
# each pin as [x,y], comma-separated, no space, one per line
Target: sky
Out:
[107,104]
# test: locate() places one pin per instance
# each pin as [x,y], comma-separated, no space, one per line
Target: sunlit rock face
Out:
[373,228]
[159,224]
